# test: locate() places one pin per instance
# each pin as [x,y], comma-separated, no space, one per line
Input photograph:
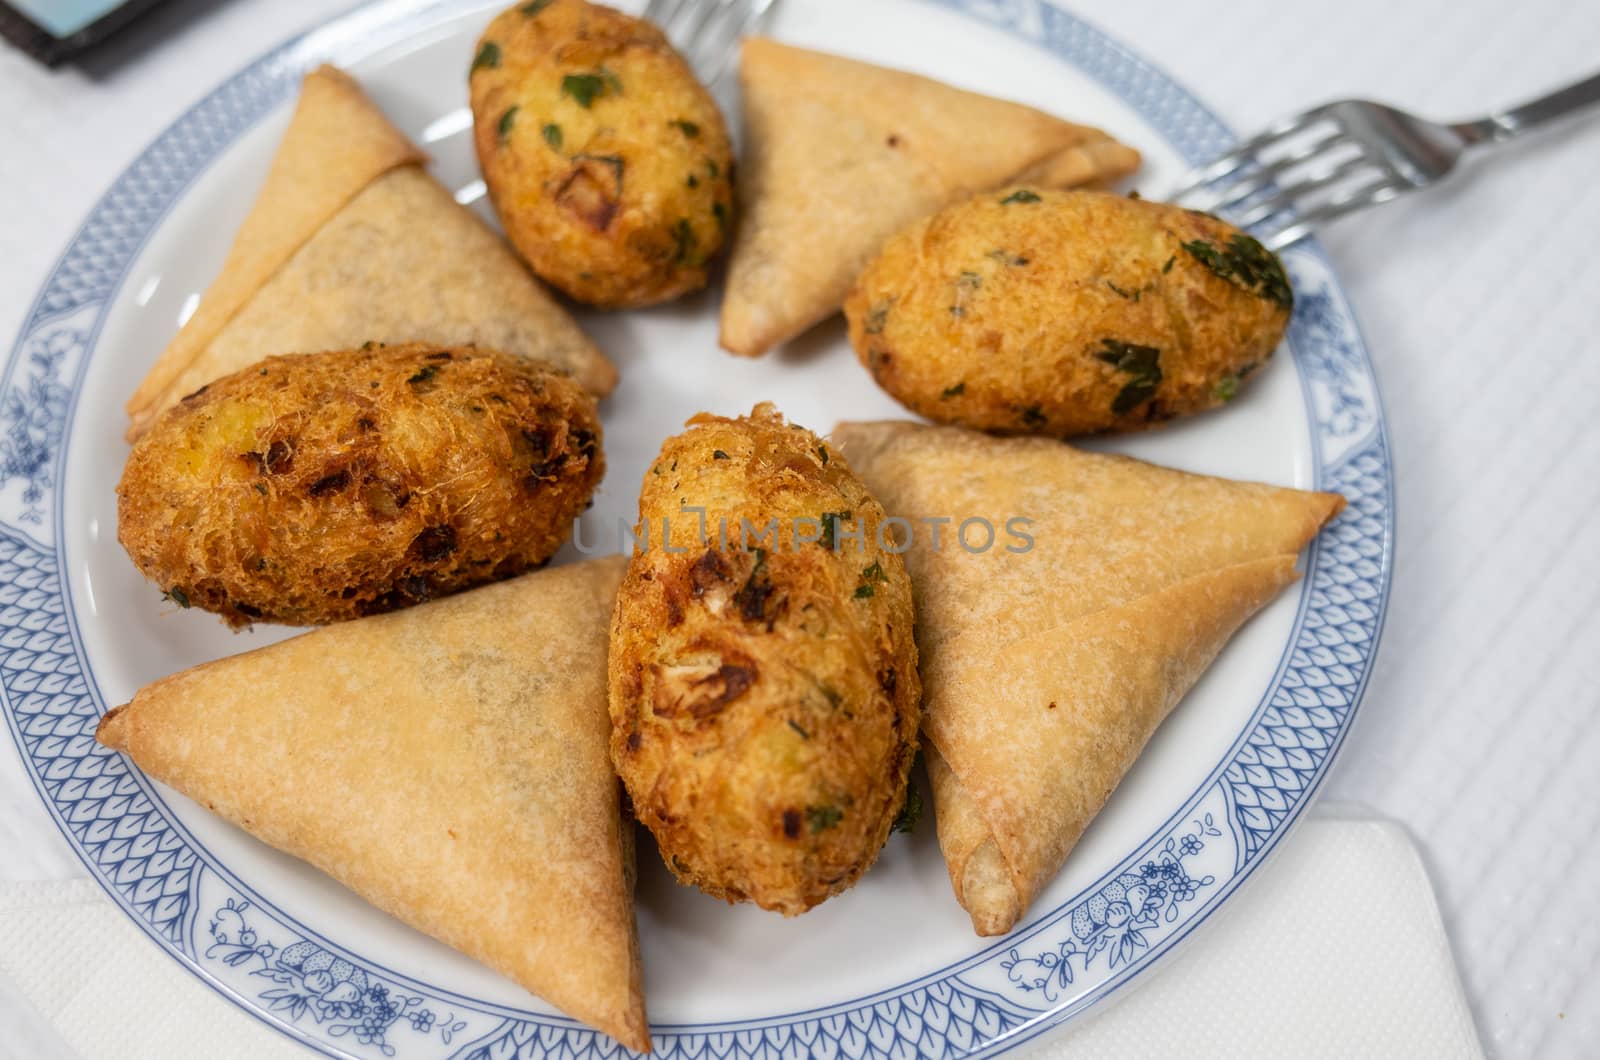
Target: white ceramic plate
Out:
[890,968]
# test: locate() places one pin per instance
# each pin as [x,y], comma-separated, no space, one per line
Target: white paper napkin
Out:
[1334,950]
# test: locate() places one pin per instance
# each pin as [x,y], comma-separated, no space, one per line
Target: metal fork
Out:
[1342,157]
[707,32]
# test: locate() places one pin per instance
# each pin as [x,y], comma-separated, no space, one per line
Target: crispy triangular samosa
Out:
[479,723]
[840,155]
[1046,670]
[351,241]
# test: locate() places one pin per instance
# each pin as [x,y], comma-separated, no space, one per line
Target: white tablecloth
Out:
[1481,302]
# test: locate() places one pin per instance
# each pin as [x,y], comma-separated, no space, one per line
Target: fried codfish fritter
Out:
[608,163]
[321,487]
[764,695]
[1030,311]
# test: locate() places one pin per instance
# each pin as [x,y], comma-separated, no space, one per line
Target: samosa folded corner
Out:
[352,241]
[1046,673]
[840,155]
[479,722]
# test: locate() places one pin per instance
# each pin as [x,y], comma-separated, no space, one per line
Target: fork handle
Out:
[1504,124]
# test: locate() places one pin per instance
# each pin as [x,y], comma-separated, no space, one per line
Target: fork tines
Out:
[708,31]
[1299,172]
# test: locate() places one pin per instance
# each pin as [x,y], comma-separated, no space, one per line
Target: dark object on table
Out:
[54,30]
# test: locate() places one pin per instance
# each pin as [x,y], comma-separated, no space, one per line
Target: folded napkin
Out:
[1335,949]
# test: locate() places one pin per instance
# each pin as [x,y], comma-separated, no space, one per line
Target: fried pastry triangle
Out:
[351,241]
[479,723]
[840,155]
[1045,671]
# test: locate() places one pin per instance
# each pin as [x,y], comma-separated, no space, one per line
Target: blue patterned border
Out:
[1052,968]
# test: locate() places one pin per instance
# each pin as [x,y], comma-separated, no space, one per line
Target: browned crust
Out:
[323,487]
[764,699]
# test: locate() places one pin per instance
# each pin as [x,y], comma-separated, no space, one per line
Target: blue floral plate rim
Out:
[993,1000]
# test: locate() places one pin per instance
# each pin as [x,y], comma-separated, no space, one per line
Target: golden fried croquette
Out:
[608,163]
[321,487]
[764,695]
[1030,311]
